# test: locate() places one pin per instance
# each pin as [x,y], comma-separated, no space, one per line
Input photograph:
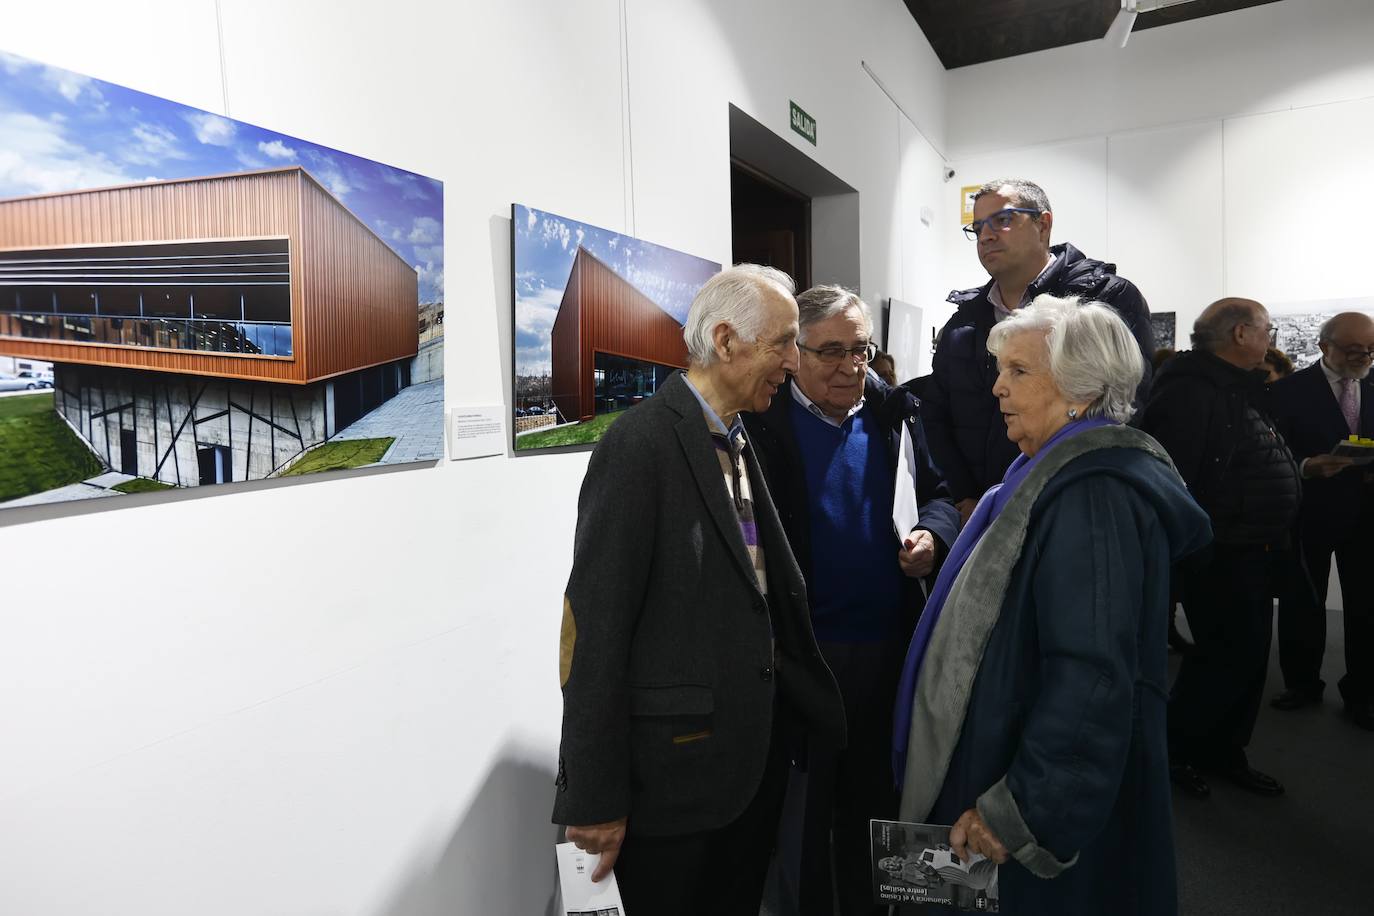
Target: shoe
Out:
[1296,698]
[1361,713]
[1252,780]
[1189,780]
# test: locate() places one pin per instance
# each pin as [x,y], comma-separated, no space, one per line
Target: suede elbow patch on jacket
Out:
[567,639]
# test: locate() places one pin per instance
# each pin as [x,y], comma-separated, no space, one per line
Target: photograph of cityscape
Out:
[598,324]
[1298,325]
[188,300]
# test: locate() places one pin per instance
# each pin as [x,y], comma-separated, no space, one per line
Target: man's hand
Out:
[971,833]
[917,556]
[965,507]
[1325,466]
[600,839]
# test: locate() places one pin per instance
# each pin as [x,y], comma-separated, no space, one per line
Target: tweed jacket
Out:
[672,658]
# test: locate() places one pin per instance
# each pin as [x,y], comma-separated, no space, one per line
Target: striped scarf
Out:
[730,450]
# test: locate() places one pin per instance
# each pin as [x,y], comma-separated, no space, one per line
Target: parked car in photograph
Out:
[19,383]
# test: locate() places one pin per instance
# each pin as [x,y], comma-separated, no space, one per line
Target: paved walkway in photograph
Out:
[415,417]
[93,488]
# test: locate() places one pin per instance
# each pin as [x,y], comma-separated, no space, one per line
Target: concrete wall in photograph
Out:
[171,418]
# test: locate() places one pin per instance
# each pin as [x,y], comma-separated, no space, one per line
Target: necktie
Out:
[1349,408]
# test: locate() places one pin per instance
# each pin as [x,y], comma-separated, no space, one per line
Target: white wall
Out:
[340,696]
[1206,158]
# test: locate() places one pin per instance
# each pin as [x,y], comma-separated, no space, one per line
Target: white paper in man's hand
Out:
[580,896]
[904,513]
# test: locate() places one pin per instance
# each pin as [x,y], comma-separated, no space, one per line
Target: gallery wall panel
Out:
[1264,58]
[166,47]
[1291,177]
[1165,218]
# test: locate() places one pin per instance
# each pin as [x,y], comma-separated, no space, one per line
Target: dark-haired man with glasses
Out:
[837,445]
[1011,228]
[1315,407]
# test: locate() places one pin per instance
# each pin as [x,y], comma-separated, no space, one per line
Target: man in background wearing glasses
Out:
[1210,409]
[1011,227]
[836,445]
[1326,402]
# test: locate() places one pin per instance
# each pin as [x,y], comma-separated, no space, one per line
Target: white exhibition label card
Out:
[477,432]
[580,896]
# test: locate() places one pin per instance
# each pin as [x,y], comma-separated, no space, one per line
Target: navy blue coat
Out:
[1311,422]
[967,435]
[1070,696]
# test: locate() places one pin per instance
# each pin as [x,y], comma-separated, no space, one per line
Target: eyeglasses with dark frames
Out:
[831,356]
[1270,330]
[1001,221]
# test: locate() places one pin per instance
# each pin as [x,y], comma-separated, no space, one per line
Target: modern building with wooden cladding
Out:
[206,329]
[612,346]
[257,275]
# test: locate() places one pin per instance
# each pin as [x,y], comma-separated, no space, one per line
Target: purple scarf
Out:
[989,507]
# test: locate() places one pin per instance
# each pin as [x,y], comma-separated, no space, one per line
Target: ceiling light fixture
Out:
[1120,30]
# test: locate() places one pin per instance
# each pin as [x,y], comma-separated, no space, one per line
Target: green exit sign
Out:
[803,123]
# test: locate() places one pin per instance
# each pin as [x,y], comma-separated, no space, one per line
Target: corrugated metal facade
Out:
[601,312]
[354,301]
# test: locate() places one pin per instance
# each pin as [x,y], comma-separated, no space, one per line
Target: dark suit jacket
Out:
[1310,420]
[669,664]
[775,441]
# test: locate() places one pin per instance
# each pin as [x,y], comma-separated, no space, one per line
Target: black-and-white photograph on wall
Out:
[1298,324]
[1165,330]
[904,338]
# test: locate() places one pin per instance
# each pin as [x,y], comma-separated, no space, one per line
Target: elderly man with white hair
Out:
[689,668]
[1032,708]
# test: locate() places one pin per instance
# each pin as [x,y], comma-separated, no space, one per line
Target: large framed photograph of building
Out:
[207,301]
[598,324]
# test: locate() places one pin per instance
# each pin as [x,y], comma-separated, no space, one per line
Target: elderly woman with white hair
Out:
[1031,713]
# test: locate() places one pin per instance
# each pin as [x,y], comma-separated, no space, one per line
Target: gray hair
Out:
[1023,193]
[1093,357]
[734,296]
[821,302]
[1213,331]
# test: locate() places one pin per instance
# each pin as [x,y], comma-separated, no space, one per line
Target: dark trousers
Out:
[718,871]
[1216,696]
[845,789]
[1302,617]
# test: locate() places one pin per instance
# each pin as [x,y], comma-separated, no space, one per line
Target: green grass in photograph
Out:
[142,485]
[336,456]
[579,434]
[37,450]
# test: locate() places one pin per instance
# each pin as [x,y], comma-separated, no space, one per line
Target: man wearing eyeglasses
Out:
[834,445]
[1316,407]
[1209,408]
[1011,227]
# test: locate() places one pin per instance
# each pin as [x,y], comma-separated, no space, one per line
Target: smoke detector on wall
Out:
[1119,32]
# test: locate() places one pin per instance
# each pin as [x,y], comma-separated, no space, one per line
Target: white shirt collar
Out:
[1332,376]
[800,397]
[1000,310]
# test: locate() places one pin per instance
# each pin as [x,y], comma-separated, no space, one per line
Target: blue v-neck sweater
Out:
[856,584]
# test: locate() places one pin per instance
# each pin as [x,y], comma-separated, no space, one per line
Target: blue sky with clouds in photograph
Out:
[60,131]
[545,245]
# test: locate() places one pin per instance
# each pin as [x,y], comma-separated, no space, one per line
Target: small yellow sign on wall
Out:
[966,207]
